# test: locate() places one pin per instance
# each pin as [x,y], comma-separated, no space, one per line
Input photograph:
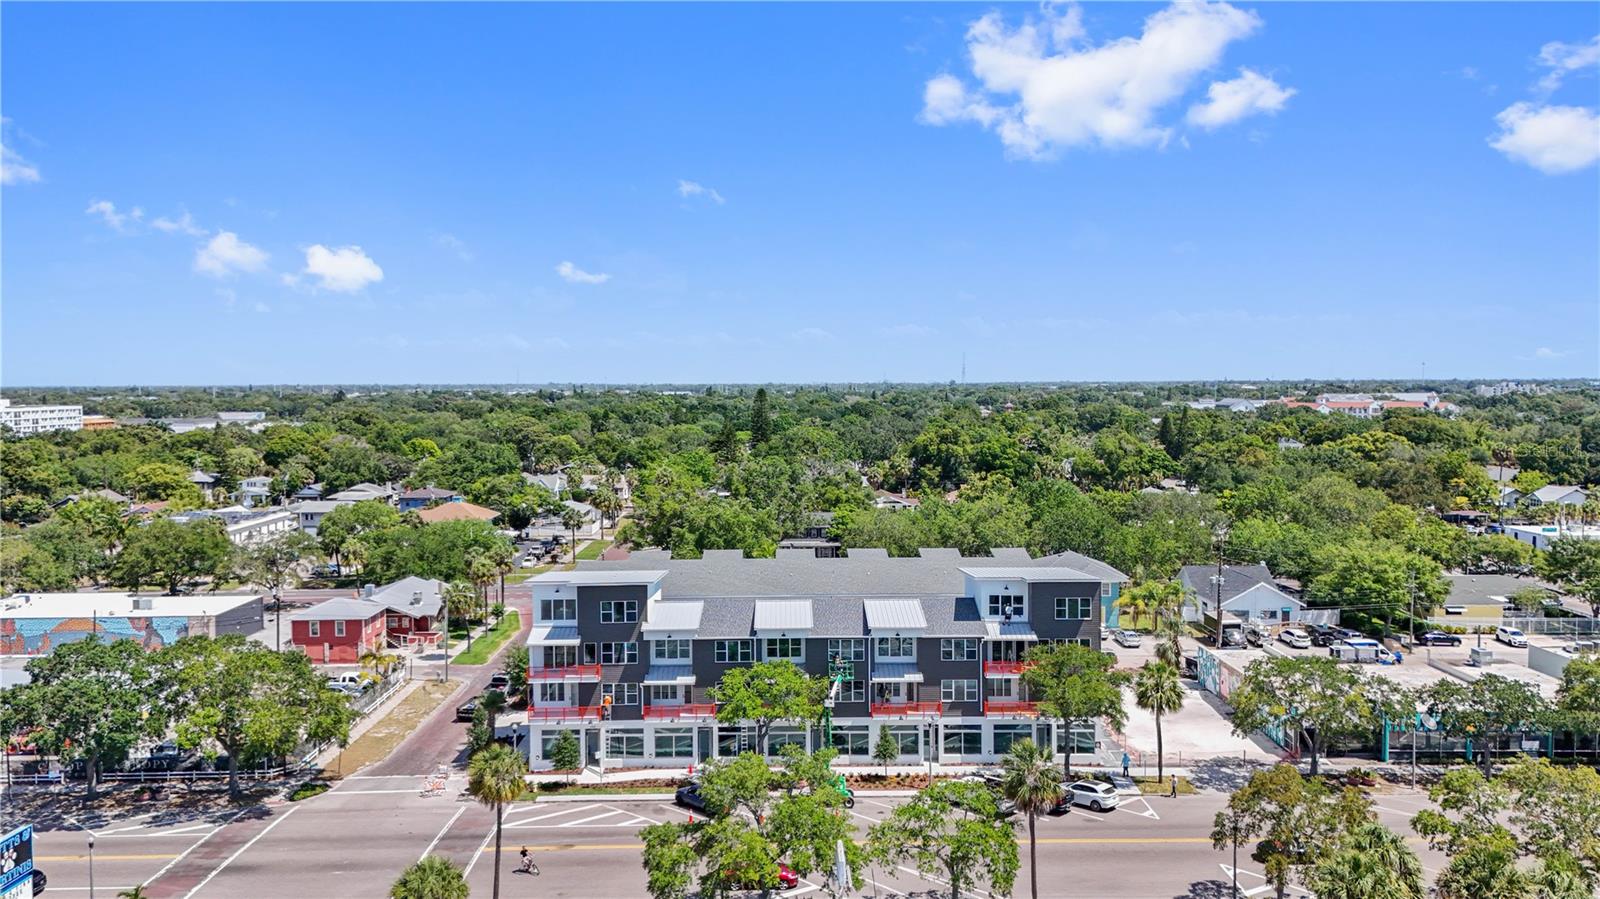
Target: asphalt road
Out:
[353,841]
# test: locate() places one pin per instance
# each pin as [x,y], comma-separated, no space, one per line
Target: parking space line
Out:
[564,811]
[241,850]
[867,818]
[636,815]
[438,836]
[876,803]
[881,886]
[471,864]
[673,808]
[943,883]
[591,818]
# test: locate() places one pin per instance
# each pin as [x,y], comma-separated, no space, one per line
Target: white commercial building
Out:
[38,419]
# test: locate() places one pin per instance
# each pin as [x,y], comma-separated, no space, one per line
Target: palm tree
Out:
[379,662]
[1029,778]
[504,555]
[1372,862]
[572,519]
[495,777]
[1157,690]
[354,554]
[431,877]
[1139,600]
[481,570]
[459,599]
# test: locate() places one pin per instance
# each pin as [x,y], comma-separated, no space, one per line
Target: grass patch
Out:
[382,738]
[593,550]
[485,646]
[564,789]
[308,790]
[526,573]
[1151,786]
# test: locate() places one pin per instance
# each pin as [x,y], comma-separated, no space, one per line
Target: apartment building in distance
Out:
[934,645]
[38,419]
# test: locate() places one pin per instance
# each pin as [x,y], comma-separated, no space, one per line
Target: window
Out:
[730,651]
[1006,734]
[896,647]
[619,611]
[547,742]
[560,656]
[1001,604]
[394,621]
[314,628]
[558,610]
[1081,641]
[848,650]
[850,740]
[621,694]
[853,691]
[670,650]
[907,738]
[963,739]
[1080,738]
[779,737]
[1068,607]
[338,628]
[664,694]
[1003,688]
[675,742]
[958,690]
[556,693]
[1105,589]
[958,650]
[619,653]
[625,744]
[791,648]
[731,742]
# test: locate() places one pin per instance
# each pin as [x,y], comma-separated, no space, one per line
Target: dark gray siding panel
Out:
[935,670]
[1042,611]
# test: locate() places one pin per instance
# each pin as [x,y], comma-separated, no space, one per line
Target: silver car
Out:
[1126,638]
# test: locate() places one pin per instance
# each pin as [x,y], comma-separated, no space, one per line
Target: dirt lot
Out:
[382,738]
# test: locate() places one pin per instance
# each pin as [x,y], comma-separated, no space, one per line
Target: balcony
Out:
[565,713]
[677,712]
[565,672]
[995,668]
[1010,707]
[904,709]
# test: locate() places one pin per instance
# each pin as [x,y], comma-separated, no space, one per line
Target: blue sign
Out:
[16,857]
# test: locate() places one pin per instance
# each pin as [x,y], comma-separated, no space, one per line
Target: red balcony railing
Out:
[565,713]
[564,672]
[903,709]
[1009,707]
[673,712]
[994,668]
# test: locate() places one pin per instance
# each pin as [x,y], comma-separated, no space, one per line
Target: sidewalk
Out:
[591,777]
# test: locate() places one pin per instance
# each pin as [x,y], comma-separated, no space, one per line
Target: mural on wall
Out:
[37,636]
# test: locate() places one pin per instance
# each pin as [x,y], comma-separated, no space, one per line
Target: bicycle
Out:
[528,867]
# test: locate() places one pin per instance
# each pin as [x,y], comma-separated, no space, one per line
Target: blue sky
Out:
[622,193]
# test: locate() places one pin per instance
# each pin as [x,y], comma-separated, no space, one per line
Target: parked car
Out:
[1439,638]
[1004,808]
[1295,637]
[1125,637]
[39,880]
[348,678]
[787,879]
[1093,794]
[466,710]
[689,797]
[1510,636]
[1322,634]
[500,682]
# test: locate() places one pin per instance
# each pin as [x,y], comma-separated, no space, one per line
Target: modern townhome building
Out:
[625,652]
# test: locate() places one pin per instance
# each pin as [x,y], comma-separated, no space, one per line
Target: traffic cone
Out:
[691,817]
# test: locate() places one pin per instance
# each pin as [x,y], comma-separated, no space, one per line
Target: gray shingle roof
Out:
[341,607]
[1235,579]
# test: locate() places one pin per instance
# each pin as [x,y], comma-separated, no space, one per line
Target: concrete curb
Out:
[668,797]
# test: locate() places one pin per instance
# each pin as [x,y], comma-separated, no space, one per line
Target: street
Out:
[354,840]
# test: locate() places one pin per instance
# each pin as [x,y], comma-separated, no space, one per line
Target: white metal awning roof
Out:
[668,674]
[562,634]
[896,672]
[1009,630]
[895,615]
[782,615]
[677,618]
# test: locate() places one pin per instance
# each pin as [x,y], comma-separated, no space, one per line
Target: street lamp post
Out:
[1219,532]
[91,866]
[1235,829]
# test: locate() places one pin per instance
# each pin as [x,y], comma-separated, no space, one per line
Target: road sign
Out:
[16,858]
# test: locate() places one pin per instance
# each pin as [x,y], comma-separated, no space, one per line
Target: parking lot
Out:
[354,840]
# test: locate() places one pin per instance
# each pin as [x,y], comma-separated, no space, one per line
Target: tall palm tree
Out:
[354,554]
[1157,690]
[504,556]
[431,877]
[1139,600]
[1029,778]
[495,777]
[481,570]
[459,598]
[572,519]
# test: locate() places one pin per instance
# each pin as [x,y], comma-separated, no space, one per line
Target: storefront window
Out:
[850,740]
[731,742]
[908,739]
[677,742]
[1006,734]
[963,739]
[778,738]
[625,744]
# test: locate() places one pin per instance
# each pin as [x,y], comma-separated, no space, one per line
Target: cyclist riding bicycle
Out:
[527,866]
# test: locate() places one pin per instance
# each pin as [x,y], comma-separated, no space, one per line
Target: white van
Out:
[1510,636]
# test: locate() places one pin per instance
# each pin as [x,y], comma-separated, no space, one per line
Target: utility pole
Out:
[1411,593]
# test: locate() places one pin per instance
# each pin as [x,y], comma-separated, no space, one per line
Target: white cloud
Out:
[261,307]
[184,223]
[1553,139]
[1229,101]
[908,330]
[574,275]
[455,245]
[118,221]
[1562,59]
[812,335]
[1040,91]
[1545,352]
[688,189]
[226,254]
[343,269]
[13,168]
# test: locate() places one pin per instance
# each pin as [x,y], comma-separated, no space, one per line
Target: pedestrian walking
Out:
[1125,762]
[1174,793]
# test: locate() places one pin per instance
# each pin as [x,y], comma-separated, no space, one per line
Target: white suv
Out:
[1295,637]
[1098,796]
[1510,636]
